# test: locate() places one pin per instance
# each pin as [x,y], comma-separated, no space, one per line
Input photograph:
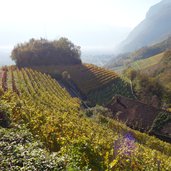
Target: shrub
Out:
[4,116]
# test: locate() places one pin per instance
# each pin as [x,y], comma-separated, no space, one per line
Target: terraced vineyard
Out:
[87,77]
[82,143]
[106,94]
[98,84]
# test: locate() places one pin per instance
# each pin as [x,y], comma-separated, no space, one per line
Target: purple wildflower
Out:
[129,136]
[125,146]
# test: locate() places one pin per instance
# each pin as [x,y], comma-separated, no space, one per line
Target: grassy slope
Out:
[155,67]
[118,64]
[148,62]
[141,64]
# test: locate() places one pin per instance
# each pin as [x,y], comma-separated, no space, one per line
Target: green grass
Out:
[148,62]
[140,64]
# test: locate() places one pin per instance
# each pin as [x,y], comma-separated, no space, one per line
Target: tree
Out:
[44,52]
[148,89]
[130,73]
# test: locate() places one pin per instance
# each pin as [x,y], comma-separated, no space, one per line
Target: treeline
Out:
[45,52]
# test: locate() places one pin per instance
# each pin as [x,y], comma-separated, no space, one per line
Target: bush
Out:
[82,156]
[98,110]
[4,116]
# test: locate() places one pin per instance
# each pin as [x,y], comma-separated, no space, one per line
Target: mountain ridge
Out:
[155,27]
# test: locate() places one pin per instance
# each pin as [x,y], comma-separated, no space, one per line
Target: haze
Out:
[92,24]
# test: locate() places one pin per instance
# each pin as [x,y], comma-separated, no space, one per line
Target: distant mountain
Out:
[154,28]
[125,60]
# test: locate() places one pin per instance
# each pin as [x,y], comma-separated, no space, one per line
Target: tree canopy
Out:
[44,52]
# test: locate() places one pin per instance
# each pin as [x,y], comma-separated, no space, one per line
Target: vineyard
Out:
[87,77]
[41,97]
[104,95]
[78,142]
[98,84]
[32,85]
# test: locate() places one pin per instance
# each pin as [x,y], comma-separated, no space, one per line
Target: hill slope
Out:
[157,66]
[148,62]
[101,86]
[122,61]
[96,83]
[142,117]
[82,142]
[154,28]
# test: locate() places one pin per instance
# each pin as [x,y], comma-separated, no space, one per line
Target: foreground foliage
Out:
[20,151]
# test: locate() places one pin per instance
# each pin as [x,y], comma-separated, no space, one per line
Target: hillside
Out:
[81,141]
[122,61]
[96,83]
[148,62]
[61,59]
[143,67]
[155,121]
[155,27]
[142,64]
[101,86]
[157,66]
[161,69]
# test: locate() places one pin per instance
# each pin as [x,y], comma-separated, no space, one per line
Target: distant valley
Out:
[96,58]
[5,57]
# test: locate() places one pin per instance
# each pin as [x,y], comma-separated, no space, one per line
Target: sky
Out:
[91,24]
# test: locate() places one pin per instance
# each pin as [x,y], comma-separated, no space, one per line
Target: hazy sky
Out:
[88,23]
